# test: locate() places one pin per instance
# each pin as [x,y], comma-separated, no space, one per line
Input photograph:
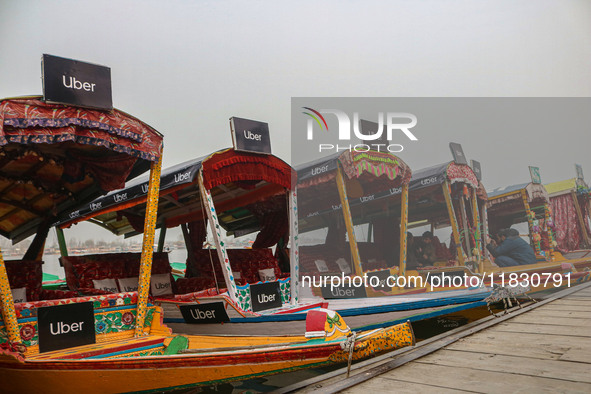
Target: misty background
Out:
[186,67]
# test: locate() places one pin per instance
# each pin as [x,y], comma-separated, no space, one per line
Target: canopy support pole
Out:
[161,238]
[216,229]
[530,223]
[191,269]
[403,227]
[7,304]
[348,222]
[477,233]
[464,216]
[550,232]
[294,260]
[61,241]
[485,239]
[148,246]
[454,223]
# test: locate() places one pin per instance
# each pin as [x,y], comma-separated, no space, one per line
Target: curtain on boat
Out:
[240,167]
[568,232]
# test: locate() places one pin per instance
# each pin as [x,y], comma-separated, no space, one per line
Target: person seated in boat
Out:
[411,252]
[426,249]
[510,250]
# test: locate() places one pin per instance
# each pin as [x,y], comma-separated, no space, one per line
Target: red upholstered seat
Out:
[29,274]
[247,262]
[26,273]
[82,270]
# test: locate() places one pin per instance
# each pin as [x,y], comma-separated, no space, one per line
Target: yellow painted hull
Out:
[104,368]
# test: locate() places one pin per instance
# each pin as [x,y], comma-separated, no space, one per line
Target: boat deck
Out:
[545,346]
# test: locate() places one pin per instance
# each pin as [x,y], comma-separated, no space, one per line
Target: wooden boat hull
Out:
[106,368]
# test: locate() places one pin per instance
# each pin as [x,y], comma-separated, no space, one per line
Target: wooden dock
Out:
[545,346]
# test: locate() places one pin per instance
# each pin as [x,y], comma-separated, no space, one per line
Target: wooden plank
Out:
[555,321]
[483,381]
[545,329]
[400,361]
[553,307]
[555,369]
[582,297]
[582,355]
[547,351]
[560,313]
[527,339]
[571,301]
[387,385]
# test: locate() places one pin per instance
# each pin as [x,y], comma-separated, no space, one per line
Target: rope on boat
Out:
[505,294]
[15,347]
[349,346]
[215,277]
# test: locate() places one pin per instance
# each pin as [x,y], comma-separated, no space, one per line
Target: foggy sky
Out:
[186,67]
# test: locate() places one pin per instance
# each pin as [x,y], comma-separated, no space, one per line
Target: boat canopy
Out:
[450,171]
[426,200]
[55,157]
[369,176]
[566,187]
[240,179]
[535,192]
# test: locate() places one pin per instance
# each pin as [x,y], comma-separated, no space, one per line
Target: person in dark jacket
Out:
[426,249]
[511,249]
[411,253]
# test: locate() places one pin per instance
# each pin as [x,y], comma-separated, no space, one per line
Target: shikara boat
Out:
[570,203]
[202,296]
[236,193]
[369,197]
[529,204]
[55,157]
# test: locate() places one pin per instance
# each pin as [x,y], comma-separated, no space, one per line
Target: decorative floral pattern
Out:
[284,286]
[148,246]
[33,121]
[217,235]
[28,332]
[294,255]
[566,223]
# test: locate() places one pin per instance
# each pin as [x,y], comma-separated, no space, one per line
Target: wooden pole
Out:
[148,246]
[453,222]
[485,238]
[349,222]
[530,223]
[464,216]
[219,244]
[7,304]
[161,238]
[294,260]
[403,227]
[61,241]
[477,234]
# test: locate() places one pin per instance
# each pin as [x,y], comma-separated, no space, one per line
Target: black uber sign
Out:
[250,135]
[458,153]
[265,296]
[382,276]
[343,291]
[213,312]
[68,81]
[65,326]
